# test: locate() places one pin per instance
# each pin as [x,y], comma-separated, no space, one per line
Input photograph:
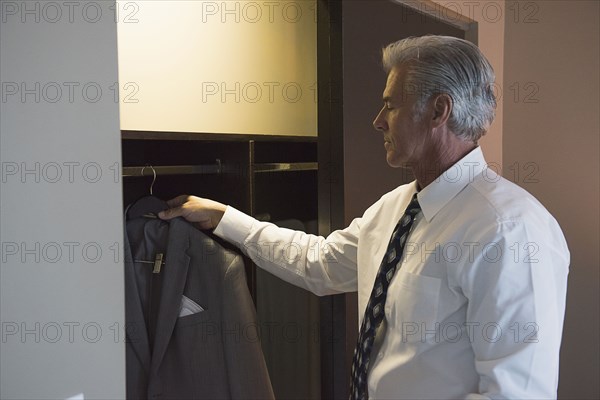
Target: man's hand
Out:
[204,212]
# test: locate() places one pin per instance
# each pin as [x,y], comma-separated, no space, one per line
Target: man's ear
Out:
[442,108]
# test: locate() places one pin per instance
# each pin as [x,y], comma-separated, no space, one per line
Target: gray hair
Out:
[456,67]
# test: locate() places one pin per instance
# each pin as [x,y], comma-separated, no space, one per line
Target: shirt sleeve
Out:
[516,289]
[321,265]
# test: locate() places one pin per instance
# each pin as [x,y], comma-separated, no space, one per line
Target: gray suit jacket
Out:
[212,354]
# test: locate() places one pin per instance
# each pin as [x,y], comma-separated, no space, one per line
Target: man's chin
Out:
[395,163]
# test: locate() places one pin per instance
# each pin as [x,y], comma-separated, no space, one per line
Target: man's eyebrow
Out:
[387,98]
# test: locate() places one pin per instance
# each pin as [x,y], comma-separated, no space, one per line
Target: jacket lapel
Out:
[135,326]
[173,283]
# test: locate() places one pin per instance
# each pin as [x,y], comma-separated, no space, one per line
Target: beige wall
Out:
[489,15]
[551,138]
[545,138]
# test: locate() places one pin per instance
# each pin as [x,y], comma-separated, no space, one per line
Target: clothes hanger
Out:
[147,206]
[153,176]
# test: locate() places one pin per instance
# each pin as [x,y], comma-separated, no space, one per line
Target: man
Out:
[469,299]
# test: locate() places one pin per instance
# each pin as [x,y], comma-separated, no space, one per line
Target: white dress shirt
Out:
[476,309]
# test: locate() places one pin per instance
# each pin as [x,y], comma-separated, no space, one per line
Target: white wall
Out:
[62,300]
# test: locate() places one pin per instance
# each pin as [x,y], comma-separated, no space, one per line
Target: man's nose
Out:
[379,122]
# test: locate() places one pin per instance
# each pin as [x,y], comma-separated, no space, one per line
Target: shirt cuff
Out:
[234,226]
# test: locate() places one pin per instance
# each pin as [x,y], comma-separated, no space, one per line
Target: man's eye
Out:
[388,106]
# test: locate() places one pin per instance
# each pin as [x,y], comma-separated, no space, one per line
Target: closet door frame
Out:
[330,184]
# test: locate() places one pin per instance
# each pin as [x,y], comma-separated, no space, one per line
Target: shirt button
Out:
[380,354]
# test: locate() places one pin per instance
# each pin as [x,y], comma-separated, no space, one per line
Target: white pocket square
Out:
[189,307]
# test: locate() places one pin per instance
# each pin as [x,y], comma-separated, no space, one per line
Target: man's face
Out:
[405,134]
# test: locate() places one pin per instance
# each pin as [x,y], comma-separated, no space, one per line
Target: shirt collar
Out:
[445,187]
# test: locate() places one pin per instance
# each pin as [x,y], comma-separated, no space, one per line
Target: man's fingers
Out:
[177,201]
[170,213]
[175,207]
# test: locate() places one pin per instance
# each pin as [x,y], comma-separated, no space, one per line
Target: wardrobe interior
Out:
[271,178]
[225,109]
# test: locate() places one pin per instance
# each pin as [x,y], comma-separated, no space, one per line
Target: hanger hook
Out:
[153,176]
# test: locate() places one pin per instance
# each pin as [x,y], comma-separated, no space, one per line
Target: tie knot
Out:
[413,207]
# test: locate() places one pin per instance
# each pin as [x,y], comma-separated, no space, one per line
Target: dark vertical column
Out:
[331,188]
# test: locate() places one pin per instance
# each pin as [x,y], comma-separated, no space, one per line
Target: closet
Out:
[269,177]
[220,101]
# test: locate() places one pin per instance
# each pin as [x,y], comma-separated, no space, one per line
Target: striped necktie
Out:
[374,312]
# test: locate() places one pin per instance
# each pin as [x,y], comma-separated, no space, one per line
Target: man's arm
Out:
[322,265]
[516,289]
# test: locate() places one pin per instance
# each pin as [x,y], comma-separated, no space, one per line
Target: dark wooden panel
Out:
[231,186]
[367,174]
[331,187]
